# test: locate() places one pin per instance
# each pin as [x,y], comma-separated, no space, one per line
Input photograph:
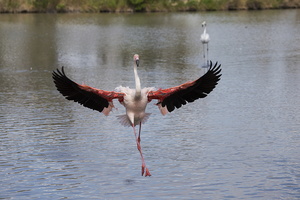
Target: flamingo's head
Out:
[136,59]
[204,24]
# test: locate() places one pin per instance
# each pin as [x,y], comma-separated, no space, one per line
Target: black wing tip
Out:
[58,71]
[59,74]
[215,69]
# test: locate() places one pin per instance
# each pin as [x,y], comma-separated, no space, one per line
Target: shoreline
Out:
[132,6]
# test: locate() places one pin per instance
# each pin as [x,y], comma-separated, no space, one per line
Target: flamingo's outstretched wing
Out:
[177,96]
[87,96]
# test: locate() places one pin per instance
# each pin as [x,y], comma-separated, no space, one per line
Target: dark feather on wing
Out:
[199,89]
[75,92]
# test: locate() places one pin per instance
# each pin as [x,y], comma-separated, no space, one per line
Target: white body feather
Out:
[135,106]
[204,36]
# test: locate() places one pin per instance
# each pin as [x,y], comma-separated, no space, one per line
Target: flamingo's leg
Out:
[139,137]
[145,170]
[204,51]
[207,56]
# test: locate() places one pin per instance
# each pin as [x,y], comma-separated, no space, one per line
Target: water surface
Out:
[241,142]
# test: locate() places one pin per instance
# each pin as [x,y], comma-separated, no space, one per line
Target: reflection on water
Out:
[240,142]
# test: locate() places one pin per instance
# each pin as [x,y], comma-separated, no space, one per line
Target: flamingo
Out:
[205,39]
[136,100]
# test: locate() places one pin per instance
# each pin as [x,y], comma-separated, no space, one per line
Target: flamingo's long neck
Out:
[137,82]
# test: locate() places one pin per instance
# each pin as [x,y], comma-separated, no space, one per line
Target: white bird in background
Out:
[205,39]
[136,100]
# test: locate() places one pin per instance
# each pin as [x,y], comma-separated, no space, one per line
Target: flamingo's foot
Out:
[145,171]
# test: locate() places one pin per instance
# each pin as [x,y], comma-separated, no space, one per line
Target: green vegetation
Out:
[16,6]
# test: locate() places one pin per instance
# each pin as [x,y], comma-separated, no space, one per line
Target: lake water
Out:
[241,142]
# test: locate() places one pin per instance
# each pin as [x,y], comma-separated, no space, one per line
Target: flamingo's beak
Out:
[137,62]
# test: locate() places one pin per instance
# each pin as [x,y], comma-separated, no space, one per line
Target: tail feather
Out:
[124,120]
[147,115]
